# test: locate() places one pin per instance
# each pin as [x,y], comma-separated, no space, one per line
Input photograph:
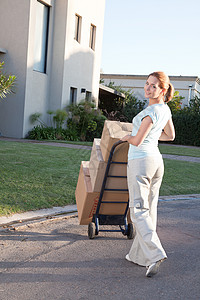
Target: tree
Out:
[7,83]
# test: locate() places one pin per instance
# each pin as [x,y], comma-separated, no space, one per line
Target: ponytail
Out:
[170,93]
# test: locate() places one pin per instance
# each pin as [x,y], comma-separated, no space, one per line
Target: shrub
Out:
[187,124]
[59,118]
[175,103]
[7,83]
[132,107]
[42,133]
[85,121]
[187,127]
[119,108]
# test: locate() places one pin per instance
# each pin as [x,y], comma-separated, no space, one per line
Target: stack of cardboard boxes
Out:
[92,173]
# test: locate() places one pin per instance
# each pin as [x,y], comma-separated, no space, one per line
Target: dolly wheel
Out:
[91,230]
[130,231]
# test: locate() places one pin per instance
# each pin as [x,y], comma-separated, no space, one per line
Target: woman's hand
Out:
[126,138]
[168,133]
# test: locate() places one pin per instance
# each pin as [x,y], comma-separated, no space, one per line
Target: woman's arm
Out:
[143,131]
[168,133]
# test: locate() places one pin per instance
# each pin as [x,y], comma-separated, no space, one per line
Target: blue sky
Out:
[141,36]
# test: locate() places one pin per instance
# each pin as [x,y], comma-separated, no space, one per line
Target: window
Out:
[88,96]
[92,36]
[41,37]
[77,33]
[73,95]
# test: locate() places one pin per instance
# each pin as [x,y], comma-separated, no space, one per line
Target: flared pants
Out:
[144,181]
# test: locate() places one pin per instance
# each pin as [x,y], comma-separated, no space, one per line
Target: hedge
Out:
[187,127]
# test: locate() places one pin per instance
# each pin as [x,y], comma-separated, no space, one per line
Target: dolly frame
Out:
[100,219]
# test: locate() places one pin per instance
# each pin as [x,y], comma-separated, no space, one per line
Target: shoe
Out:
[127,257]
[153,269]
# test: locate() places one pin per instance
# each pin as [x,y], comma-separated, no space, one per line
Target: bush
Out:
[175,103]
[40,132]
[187,124]
[132,107]
[7,83]
[121,109]
[187,127]
[85,121]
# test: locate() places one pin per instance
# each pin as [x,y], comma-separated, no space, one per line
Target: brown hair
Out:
[164,83]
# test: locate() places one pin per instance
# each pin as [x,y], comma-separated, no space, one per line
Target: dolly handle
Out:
[116,144]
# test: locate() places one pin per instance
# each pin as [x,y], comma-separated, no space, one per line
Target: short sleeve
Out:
[152,115]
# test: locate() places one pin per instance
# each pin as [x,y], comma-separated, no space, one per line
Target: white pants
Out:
[144,180]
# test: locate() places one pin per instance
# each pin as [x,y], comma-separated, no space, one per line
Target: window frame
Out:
[73,95]
[92,36]
[38,67]
[78,25]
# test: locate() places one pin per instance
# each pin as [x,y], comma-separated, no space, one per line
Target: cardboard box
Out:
[114,208]
[97,168]
[87,200]
[113,131]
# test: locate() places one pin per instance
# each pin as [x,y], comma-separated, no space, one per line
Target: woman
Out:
[145,170]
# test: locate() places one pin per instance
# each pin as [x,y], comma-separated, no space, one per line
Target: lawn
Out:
[177,150]
[180,178]
[35,176]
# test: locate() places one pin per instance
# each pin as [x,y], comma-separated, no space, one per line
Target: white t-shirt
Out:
[160,114]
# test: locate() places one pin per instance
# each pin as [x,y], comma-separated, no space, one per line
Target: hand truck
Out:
[100,219]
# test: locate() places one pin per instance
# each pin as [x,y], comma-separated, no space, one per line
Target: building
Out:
[54,49]
[188,86]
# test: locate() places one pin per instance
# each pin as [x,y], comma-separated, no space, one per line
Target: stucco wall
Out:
[14,24]
[37,84]
[81,63]
[69,64]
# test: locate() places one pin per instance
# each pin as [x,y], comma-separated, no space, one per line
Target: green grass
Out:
[34,176]
[180,178]
[69,142]
[176,150]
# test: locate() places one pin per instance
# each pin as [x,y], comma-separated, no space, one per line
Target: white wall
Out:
[69,64]
[14,24]
[82,64]
[37,84]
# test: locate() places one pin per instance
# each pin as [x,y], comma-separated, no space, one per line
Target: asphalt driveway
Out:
[54,259]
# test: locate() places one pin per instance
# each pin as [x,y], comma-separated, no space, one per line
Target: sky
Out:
[142,36]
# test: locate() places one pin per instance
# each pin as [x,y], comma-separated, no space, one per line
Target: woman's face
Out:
[152,89]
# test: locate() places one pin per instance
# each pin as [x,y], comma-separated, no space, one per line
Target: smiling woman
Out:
[145,171]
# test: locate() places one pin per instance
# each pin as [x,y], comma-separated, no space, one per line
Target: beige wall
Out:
[37,84]
[14,24]
[69,64]
[82,64]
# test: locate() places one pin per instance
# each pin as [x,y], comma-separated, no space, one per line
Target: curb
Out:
[49,213]
[37,215]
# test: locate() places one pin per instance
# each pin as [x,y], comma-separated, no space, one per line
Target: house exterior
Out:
[188,86]
[54,49]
